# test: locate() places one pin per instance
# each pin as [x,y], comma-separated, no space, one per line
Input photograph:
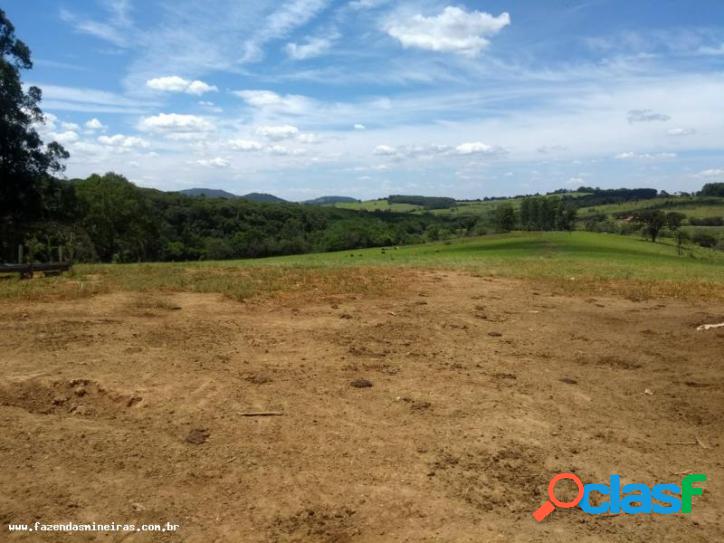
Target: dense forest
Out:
[713,189]
[107,218]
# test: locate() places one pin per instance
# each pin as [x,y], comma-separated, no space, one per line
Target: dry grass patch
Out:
[290,283]
[637,290]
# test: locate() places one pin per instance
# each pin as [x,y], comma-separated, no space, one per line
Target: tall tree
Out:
[24,160]
[525,214]
[118,217]
[504,217]
[653,221]
[673,222]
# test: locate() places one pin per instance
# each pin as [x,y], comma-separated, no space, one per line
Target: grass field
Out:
[692,206]
[576,262]
[464,207]
[378,205]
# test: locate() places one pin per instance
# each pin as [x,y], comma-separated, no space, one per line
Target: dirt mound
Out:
[81,397]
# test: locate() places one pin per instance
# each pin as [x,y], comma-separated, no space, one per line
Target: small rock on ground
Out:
[197,436]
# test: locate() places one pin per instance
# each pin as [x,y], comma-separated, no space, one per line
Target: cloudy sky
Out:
[303,98]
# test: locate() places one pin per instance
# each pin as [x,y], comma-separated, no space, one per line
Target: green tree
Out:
[525,214]
[681,237]
[674,220]
[566,217]
[118,218]
[536,214]
[712,189]
[653,221]
[504,217]
[24,160]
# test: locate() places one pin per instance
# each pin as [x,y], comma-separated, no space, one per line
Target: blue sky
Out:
[365,98]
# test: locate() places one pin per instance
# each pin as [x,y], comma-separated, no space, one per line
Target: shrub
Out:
[705,239]
[706,221]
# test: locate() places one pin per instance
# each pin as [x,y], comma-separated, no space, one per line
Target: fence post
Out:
[20,253]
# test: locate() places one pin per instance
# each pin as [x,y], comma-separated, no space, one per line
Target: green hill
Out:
[262,197]
[208,193]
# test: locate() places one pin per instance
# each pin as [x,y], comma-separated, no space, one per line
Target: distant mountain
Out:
[262,197]
[218,193]
[208,193]
[329,200]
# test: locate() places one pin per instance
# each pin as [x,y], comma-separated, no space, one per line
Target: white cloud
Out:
[359,126]
[216,162]
[437,150]
[260,98]
[644,156]
[127,142]
[70,126]
[174,83]
[170,123]
[367,4]
[94,124]
[712,51]
[49,121]
[454,30]
[278,133]
[385,150]
[646,116]
[309,137]
[680,131]
[210,106]
[283,150]
[69,136]
[313,47]
[281,22]
[199,87]
[87,149]
[477,148]
[115,29]
[716,172]
[187,136]
[245,145]
[56,97]
[271,101]
[417,151]
[546,149]
[278,150]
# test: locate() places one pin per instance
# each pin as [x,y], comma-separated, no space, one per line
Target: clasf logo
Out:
[632,499]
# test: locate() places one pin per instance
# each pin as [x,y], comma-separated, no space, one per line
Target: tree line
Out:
[106,218]
[536,213]
[428,202]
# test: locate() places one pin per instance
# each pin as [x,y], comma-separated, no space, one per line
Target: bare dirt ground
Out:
[128,408]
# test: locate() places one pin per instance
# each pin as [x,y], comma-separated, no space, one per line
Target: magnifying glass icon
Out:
[548,507]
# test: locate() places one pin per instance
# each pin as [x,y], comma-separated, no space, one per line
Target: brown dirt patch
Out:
[120,407]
